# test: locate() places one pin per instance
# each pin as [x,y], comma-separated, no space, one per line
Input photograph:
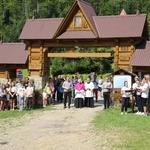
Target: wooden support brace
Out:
[77,55]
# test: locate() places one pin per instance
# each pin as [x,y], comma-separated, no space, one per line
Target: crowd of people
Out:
[140,93]
[83,92]
[17,94]
[20,94]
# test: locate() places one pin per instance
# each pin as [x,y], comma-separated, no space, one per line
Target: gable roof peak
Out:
[123,13]
[83,2]
[88,12]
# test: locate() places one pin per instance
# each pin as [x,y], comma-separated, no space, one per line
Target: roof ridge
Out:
[120,16]
[46,19]
[84,2]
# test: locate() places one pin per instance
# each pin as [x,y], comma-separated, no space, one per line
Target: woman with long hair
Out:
[12,93]
[2,96]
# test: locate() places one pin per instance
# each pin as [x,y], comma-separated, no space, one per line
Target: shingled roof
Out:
[13,53]
[120,26]
[86,9]
[141,56]
[40,28]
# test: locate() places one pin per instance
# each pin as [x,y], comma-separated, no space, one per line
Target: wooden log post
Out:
[122,57]
[38,66]
[116,57]
[132,49]
[4,75]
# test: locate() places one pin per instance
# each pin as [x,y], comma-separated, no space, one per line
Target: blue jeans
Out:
[18,98]
[21,101]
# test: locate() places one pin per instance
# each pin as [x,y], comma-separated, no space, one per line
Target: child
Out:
[52,88]
[44,95]
[21,94]
[48,91]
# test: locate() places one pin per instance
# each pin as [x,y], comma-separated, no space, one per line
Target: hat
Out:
[136,77]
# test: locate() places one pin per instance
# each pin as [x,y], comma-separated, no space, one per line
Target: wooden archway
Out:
[83,28]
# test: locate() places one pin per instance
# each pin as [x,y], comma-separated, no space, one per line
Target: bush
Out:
[38,97]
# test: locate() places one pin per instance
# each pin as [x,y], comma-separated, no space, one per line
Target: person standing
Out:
[95,82]
[13,92]
[33,97]
[7,102]
[67,86]
[21,94]
[100,84]
[144,95]
[44,97]
[18,85]
[74,82]
[52,88]
[138,97]
[29,94]
[148,101]
[48,91]
[89,87]
[59,83]
[107,86]
[125,91]
[134,86]
[2,96]
[79,93]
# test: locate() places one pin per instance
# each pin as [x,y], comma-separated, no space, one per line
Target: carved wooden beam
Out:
[77,55]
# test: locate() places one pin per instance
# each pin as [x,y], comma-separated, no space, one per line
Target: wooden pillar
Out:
[116,57]
[38,67]
[132,49]
[4,73]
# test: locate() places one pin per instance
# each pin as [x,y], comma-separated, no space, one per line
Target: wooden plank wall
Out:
[38,61]
[122,57]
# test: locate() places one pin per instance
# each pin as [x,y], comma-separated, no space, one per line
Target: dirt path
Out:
[59,129]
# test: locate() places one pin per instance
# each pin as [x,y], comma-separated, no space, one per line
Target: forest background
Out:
[14,13]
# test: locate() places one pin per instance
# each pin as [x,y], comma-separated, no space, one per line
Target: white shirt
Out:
[126,94]
[13,89]
[29,91]
[100,82]
[138,88]
[21,92]
[134,86]
[145,87]
[89,89]
[106,86]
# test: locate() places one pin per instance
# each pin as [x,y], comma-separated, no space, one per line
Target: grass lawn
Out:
[17,113]
[131,131]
